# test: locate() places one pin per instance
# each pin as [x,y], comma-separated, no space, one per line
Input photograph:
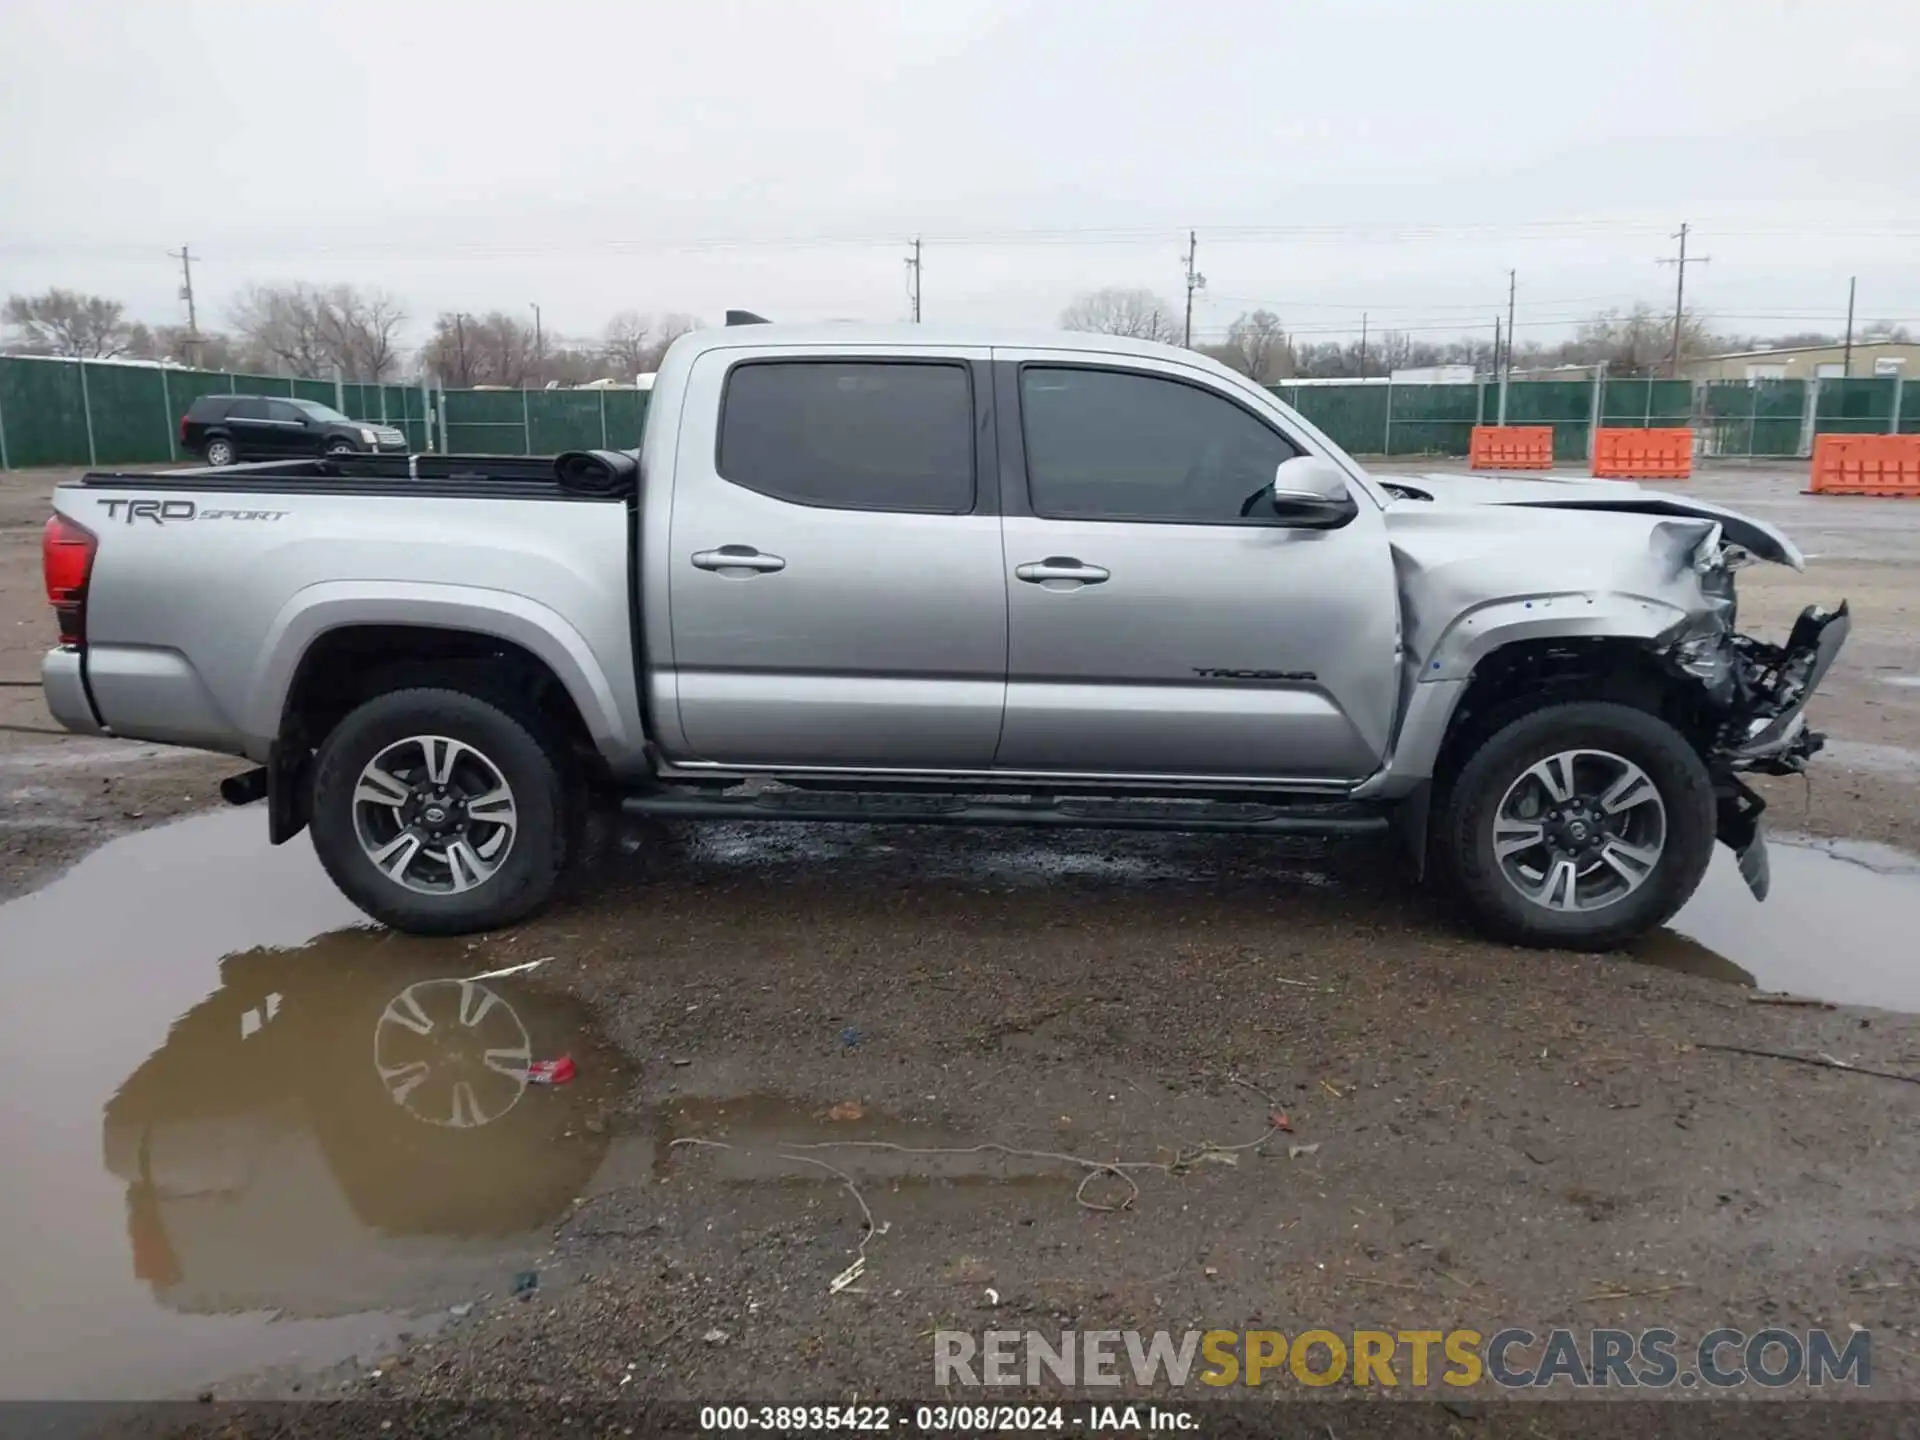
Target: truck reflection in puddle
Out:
[346,1127]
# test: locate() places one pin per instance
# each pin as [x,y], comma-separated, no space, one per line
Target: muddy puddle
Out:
[247,1132]
[1838,925]
[233,1146]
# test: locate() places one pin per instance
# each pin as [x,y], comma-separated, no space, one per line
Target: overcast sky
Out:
[1394,157]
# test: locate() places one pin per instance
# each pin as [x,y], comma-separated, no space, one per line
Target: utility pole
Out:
[1363,344]
[1680,263]
[460,336]
[185,256]
[1846,355]
[1506,370]
[913,279]
[1498,374]
[539,346]
[1195,281]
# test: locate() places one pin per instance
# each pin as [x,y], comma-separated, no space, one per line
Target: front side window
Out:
[315,410]
[284,411]
[851,435]
[1118,445]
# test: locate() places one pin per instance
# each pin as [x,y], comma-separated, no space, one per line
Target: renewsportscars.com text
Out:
[1510,1358]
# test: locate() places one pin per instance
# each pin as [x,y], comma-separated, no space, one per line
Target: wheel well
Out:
[345,668]
[1530,674]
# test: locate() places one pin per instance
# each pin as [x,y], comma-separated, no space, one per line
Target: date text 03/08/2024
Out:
[944,1419]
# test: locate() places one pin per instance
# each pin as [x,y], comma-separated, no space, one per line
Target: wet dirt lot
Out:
[255,1145]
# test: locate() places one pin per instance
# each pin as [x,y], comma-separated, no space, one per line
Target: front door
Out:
[1162,620]
[836,587]
[255,435]
[294,432]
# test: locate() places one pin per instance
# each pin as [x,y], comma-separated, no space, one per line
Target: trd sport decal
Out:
[168,512]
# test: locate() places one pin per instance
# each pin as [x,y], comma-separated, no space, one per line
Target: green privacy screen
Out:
[60,412]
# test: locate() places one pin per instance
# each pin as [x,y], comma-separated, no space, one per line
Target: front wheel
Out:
[439,812]
[341,447]
[1577,826]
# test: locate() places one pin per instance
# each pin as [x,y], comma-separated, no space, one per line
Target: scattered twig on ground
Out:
[1819,1062]
[1800,1001]
[1246,1084]
[1618,1294]
[33,730]
[519,969]
[1390,1284]
[1183,1160]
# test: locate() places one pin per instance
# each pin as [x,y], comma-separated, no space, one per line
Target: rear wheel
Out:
[1577,826]
[220,452]
[439,812]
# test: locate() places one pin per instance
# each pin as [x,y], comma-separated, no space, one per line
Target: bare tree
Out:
[66,322]
[1634,342]
[313,330]
[633,343]
[364,329]
[1137,314]
[491,349]
[628,342]
[1257,347]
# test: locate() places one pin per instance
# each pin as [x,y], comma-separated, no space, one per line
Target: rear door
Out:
[836,586]
[1162,619]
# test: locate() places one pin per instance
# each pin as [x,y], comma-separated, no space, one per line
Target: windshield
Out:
[319,411]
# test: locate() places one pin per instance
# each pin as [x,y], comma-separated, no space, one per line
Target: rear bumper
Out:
[64,684]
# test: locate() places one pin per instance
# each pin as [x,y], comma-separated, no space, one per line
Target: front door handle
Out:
[1060,572]
[737,561]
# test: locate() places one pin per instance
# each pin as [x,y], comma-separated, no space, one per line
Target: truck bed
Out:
[210,589]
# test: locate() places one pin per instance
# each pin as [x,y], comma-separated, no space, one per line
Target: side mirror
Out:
[1310,493]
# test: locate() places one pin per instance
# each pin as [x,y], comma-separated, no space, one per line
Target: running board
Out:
[1326,818]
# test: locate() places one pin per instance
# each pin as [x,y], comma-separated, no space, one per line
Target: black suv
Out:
[224,429]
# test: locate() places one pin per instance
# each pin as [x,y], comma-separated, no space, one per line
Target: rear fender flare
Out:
[610,709]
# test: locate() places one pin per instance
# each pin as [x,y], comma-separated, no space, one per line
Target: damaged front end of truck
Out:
[1514,588]
[1756,692]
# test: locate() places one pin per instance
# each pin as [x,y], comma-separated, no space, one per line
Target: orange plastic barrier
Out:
[1642,454]
[1866,465]
[1511,447]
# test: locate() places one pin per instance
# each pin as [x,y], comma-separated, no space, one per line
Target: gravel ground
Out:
[1474,1136]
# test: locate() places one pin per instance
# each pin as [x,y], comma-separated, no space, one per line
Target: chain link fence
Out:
[69,412]
[1761,419]
[63,412]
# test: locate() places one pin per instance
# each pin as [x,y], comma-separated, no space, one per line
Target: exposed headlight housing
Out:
[367,436]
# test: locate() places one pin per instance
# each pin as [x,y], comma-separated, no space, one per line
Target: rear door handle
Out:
[1063,570]
[737,560]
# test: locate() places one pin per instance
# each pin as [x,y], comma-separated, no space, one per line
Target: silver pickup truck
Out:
[924,577]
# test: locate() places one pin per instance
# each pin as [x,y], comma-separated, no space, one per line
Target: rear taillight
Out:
[66,557]
[183,429]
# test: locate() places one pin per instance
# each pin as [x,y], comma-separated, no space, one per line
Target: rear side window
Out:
[209,407]
[851,435]
[247,407]
[1119,445]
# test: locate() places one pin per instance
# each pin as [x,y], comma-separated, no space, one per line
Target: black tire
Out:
[1463,832]
[341,447]
[532,762]
[221,452]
